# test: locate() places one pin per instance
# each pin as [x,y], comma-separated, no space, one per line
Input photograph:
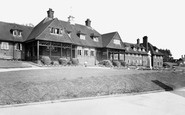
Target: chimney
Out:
[88,22]
[50,13]
[138,41]
[145,42]
[71,20]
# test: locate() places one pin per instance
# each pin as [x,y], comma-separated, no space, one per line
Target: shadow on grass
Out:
[162,85]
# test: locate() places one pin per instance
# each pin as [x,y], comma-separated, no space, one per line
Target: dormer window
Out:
[143,50]
[82,37]
[156,50]
[56,31]
[116,41]
[134,48]
[17,33]
[139,49]
[69,34]
[95,38]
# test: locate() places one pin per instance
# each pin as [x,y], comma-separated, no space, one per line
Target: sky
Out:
[163,21]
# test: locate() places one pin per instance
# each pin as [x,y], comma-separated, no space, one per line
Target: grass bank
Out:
[38,85]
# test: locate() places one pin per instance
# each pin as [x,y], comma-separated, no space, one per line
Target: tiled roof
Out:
[5,31]
[153,49]
[129,48]
[41,32]
[107,40]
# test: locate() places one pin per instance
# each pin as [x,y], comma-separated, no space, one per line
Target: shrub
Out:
[75,61]
[123,63]
[63,61]
[116,63]
[55,63]
[45,60]
[106,63]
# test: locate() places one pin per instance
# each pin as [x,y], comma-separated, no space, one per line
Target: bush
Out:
[55,63]
[75,61]
[123,63]
[116,63]
[106,63]
[63,61]
[45,60]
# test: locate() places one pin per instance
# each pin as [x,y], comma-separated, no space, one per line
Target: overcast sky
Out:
[163,21]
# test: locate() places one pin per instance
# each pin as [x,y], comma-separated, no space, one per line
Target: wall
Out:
[157,61]
[8,54]
[91,60]
[134,59]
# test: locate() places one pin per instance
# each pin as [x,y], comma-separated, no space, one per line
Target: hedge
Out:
[45,60]
[106,63]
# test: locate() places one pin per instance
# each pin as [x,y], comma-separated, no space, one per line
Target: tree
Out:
[167,55]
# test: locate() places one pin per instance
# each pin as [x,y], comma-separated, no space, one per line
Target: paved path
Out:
[161,103]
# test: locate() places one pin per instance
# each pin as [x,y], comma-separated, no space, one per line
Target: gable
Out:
[115,42]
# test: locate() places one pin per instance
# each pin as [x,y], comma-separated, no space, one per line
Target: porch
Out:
[54,50]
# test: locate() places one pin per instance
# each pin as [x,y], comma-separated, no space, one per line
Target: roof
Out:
[41,32]
[129,48]
[108,40]
[6,35]
[153,49]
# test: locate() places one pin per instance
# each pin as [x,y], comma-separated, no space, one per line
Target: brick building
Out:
[56,38]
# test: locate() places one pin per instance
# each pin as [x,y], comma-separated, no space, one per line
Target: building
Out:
[56,38]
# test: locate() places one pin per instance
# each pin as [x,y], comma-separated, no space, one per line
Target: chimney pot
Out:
[88,22]
[145,42]
[138,41]
[50,13]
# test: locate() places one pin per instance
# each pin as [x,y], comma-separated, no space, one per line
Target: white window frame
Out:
[117,42]
[5,45]
[20,46]
[82,37]
[95,39]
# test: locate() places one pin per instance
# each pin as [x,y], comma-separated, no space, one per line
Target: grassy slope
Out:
[60,83]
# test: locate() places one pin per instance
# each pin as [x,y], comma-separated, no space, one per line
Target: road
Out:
[160,103]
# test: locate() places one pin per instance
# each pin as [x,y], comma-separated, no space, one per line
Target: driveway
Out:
[161,103]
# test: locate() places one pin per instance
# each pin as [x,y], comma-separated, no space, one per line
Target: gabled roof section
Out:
[42,31]
[153,49]
[75,29]
[6,35]
[129,48]
[39,28]
[108,40]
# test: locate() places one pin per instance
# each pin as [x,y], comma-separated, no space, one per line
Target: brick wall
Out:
[91,60]
[9,53]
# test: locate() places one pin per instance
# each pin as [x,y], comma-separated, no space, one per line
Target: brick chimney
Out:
[88,22]
[145,42]
[138,41]
[71,20]
[50,13]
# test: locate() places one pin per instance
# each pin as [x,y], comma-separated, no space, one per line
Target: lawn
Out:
[75,82]
[13,64]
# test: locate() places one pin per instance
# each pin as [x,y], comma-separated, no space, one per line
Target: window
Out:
[85,52]
[17,33]
[79,52]
[18,46]
[56,31]
[69,34]
[5,45]
[143,50]
[82,37]
[117,42]
[95,39]
[92,53]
